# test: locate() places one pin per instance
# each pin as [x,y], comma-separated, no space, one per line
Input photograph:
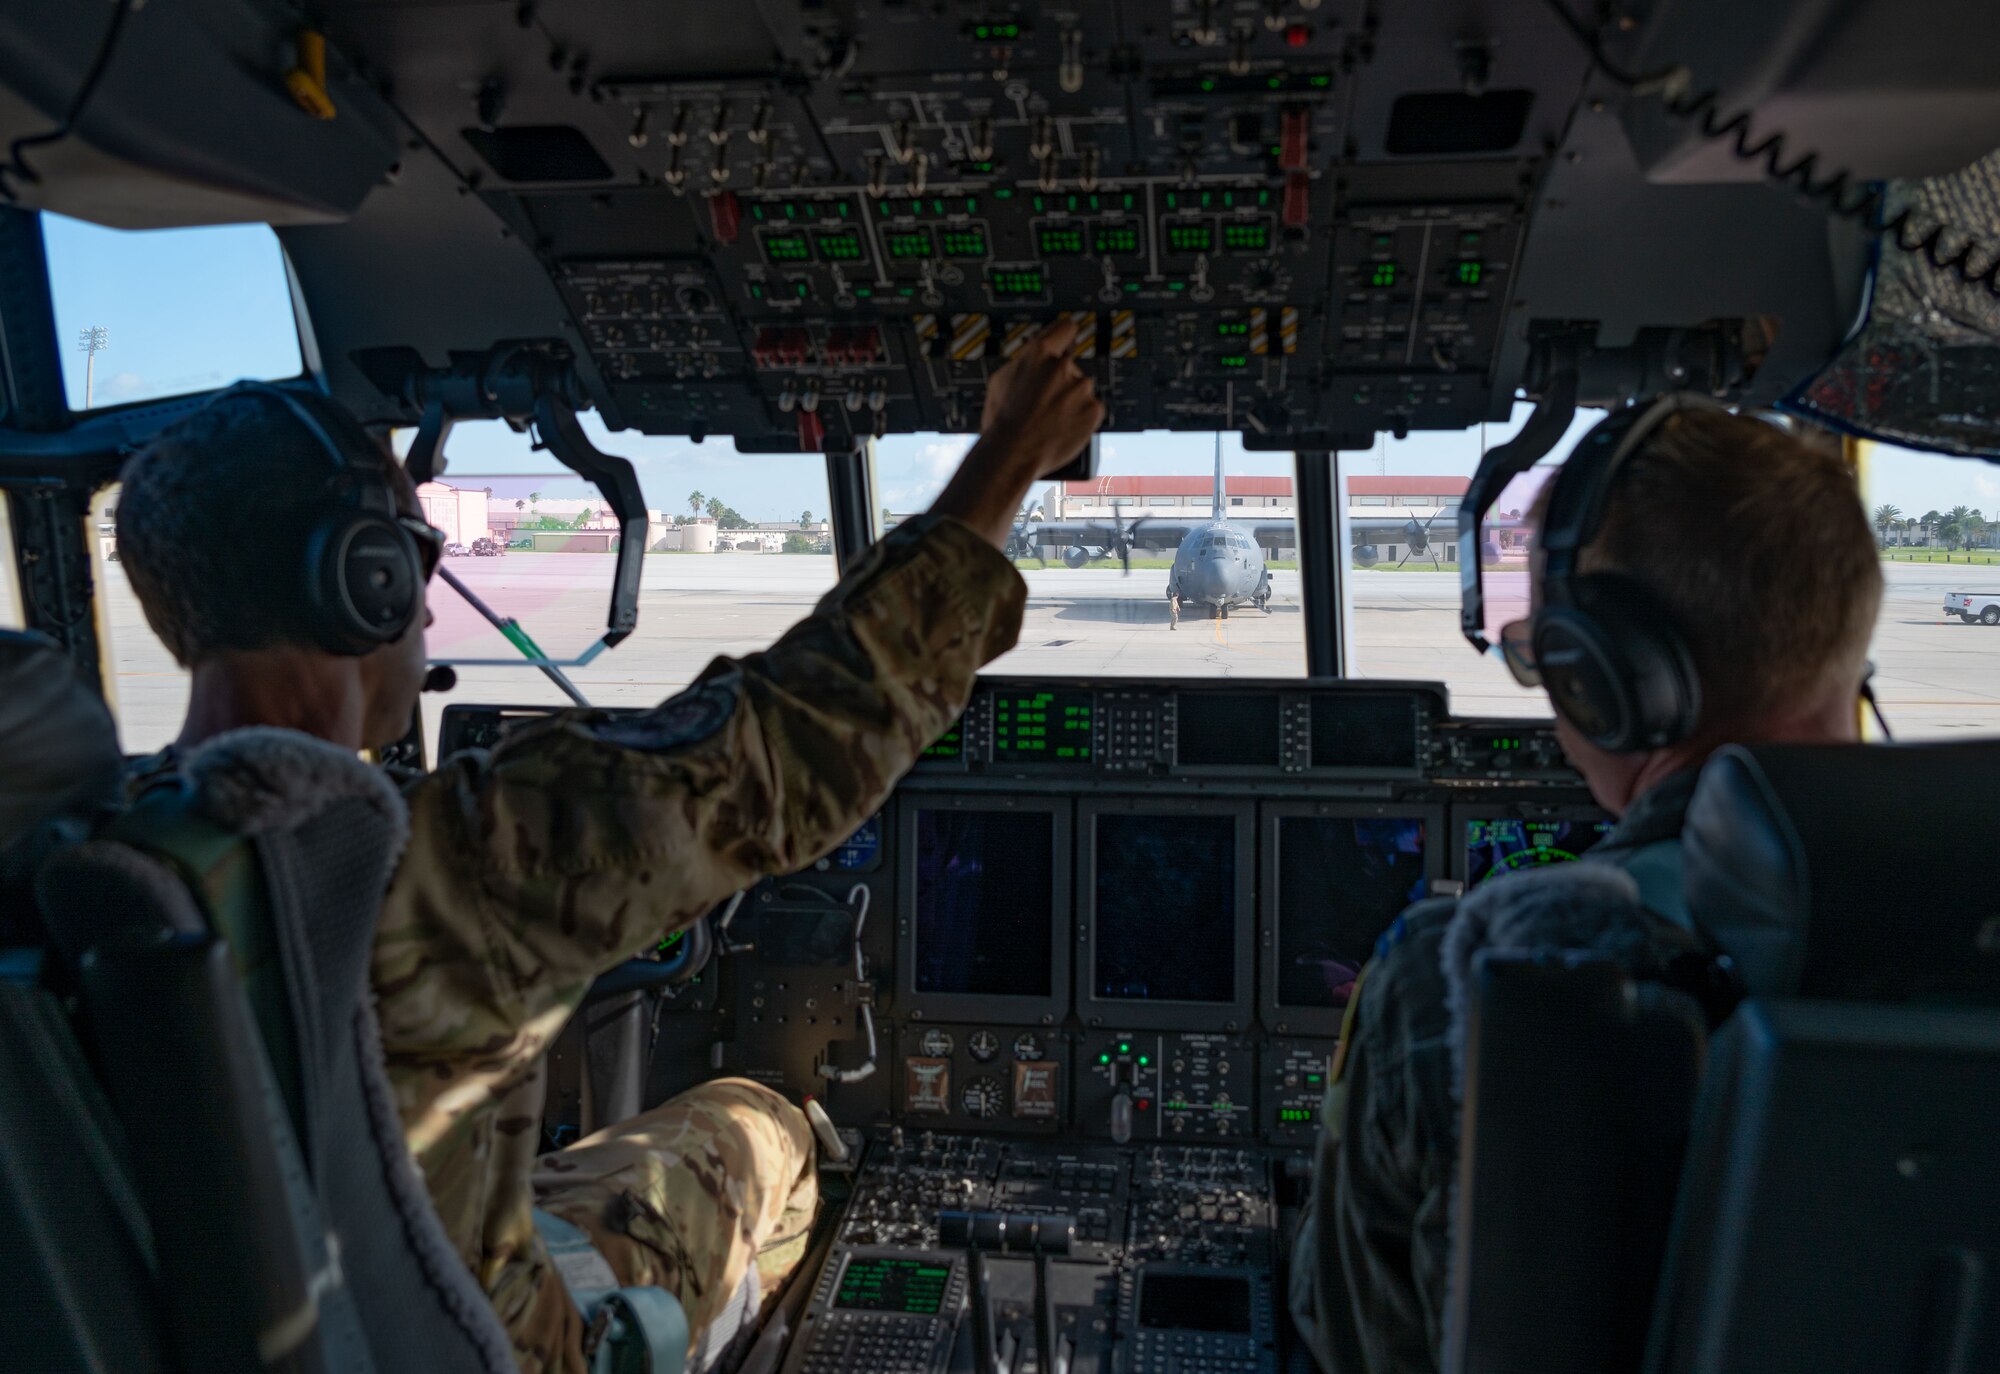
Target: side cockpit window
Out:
[147,314]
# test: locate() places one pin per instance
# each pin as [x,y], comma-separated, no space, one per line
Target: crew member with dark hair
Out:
[1739,557]
[581,840]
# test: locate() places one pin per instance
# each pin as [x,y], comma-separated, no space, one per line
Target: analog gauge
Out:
[936,1044]
[983,1044]
[1027,1045]
[981,1098]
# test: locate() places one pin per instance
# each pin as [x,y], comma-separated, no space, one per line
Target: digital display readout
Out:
[963,243]
[1253,237]
[949,745]
[1016,283]
[880,1283]
[1042,727]
[787,248]
[840,245]
[1059,240]
[1505,845]
[903,244]
[1107,239]
[1190,238]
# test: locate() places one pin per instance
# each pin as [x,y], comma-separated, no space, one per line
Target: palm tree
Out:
[696,501]
[1886,516]
[1960,520]
[805,519]
[1931,520]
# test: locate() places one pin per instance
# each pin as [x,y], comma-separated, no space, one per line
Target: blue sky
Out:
[192,309]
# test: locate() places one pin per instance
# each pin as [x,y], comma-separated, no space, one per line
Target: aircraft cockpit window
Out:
[1936,648]
[1106,560]
[739,548]
[1397,511]
[10,587]
[148,314]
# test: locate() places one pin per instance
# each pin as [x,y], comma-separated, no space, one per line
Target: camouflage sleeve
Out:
[580,841]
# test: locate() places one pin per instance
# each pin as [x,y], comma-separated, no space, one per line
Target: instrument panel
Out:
[1123,912]
[1073,998]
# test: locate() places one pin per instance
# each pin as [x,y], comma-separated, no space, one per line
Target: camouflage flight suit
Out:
[579,842]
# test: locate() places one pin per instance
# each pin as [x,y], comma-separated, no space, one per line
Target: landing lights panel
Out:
[1334,878]
[1166,936]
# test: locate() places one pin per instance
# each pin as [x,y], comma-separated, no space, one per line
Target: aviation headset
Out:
[361,573]
[1611,658]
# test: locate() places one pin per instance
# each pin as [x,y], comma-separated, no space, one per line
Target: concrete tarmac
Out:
[1938,678]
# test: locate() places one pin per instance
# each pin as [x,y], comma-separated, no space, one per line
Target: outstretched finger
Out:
[1056,336]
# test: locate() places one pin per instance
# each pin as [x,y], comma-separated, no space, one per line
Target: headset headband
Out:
[312,425]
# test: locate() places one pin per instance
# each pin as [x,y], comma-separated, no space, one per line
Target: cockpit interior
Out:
[1070,1006]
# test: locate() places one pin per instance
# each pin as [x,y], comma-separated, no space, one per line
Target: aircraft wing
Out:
[1145,532]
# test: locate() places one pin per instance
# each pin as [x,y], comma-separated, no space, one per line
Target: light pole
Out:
[92,339]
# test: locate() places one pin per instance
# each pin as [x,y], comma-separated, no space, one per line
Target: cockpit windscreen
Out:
[1165,908]
[984,906]
[1341,881]
[1501,845]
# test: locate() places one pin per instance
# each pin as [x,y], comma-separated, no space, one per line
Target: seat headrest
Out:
[1860,872]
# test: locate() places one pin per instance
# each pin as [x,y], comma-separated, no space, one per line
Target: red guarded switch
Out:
[1294,131]
[812,431]
[725,216]
[1298,200]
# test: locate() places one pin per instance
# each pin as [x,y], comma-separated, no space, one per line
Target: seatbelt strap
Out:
[628,1330]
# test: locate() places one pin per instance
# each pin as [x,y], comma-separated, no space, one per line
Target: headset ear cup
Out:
[1615,666]
[363,578]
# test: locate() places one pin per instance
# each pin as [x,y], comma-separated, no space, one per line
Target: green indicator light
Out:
[1247,238]
[1104,1059]
[882,208]
[1124,1048]
[906,290]
[937,207]
[1093,202]
[787,247]
[1208,83]
[791,210]
[1382,274]
[1228,198]
[803,290]
[1232,329]
[1312,1078]
[1276,83]
[864,292]
[972,205]
[1469,273]
[842,207]
[1190,238]
[1115,238]
[1060,240]
[756,212]
[1144,1060]
[1263,197]
[1131,286]
[1176,286]
[1129,202]
[1233,360]
[812,209]
[1004,193]
[841,246]
[1038,205]
[982,32]
[904,244]
[1072,203]
[1320,80]
[964,243]
[756,291]
[1172,200]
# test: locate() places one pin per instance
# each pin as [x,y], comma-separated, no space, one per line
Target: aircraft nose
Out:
[1213,578]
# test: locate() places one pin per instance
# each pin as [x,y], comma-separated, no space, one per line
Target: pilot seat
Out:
[1807,1181]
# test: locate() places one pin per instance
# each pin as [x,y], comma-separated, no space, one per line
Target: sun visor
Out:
[198,114]
[1923,371]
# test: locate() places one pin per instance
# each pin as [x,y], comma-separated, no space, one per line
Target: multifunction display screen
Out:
[1362,730]
[1341,881]
[1165,909]
[1228,729]
[985,917]
[1493,847]
[1042,727]
[885,1284]
[1195,1302]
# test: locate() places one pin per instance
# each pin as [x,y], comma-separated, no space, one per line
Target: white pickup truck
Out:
[1983,607]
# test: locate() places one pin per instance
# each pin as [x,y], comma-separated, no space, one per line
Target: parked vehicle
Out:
[456,550]
[1980,607]
[487,548]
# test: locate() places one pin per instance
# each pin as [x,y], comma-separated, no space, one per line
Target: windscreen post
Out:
[1321,572]
[850,491]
